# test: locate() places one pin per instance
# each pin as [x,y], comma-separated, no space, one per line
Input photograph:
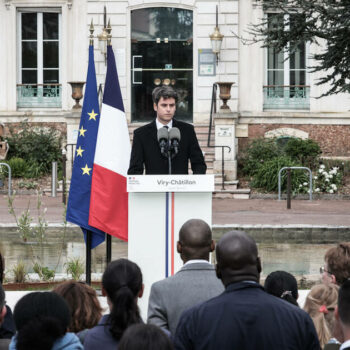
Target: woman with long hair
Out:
[42,319]
[85,309]
[282,285]
[122,285]
[320,304]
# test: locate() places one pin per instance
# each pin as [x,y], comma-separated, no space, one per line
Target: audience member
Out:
[122,285]
[145,337]
[42,319]
[85,309]
[4,343]
[244,316]
[342,314]
[337,264]
[320,304]
[282,285]
[194,283]
[7,328]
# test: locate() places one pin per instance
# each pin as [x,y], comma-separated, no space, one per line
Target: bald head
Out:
[237,258]
[195,240]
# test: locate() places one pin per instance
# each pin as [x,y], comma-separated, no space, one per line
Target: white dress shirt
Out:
[160,125]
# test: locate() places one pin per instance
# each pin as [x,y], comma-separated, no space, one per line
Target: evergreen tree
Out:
[322,22]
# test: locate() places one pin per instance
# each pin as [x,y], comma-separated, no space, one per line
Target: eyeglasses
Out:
[322,270]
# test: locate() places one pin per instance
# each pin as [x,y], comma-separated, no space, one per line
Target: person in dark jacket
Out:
[244,316]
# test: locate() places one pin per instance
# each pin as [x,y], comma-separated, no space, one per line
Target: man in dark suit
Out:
[146,152]
[194,283]
[244,316]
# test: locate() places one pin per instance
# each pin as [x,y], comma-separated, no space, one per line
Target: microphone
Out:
[163,139]
[175,137]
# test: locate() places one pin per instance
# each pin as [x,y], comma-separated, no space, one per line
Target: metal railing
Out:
[212,111]
[288,169]
[9,178]
[39,95]
[286,96]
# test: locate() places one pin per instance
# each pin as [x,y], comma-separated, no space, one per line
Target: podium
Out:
[158,206]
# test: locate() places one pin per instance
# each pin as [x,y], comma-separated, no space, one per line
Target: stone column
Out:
[72,120]
[225,135]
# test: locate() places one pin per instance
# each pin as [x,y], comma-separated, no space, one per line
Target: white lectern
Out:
[158,207]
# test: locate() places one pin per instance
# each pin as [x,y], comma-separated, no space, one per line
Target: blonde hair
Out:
[320,304]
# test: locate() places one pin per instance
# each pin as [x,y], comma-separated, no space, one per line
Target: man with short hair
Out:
[4,343]
[244,316]
[194,283]
[337,264]
[146,153]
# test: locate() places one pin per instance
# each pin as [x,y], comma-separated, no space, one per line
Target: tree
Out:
[322,22]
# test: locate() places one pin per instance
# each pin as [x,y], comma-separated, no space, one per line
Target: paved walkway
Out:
[327,213]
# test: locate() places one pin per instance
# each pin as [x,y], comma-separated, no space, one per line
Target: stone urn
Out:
[77,92]
[225,95]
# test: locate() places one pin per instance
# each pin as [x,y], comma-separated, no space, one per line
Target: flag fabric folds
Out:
[80,187]
[109,198]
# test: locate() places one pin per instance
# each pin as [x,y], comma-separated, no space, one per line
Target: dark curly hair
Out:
[338,261]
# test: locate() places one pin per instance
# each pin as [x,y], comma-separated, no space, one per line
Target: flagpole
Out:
[88,257]
[108,248]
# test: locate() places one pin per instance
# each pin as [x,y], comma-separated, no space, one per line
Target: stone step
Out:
[228,185]
[240,193]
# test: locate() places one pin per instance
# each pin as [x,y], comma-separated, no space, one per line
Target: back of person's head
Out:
[164,91]
[283,285]
[338,262]
[84,307]
[2,304]
[145,337]
[122,283]
[344,304]
[320,304]
[41,318]
[195,240]
[237,258]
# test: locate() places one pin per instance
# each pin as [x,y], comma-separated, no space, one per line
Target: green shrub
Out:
[18,167]
[39,146]
[258,152]
[266,176]
[306,152]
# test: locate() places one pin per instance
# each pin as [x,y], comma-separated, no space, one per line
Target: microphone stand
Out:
[169,159]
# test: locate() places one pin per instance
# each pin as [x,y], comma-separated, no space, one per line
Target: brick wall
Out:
[334,140]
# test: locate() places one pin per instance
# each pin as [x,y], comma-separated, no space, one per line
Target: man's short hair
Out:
[338,262]
[164,91]
[2,297]
[344,303]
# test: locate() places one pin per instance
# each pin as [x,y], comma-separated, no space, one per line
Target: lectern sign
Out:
[170,183]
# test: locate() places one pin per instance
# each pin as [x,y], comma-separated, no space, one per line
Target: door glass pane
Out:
[29,26]
[29,76]
[29,54]
[50,54]
[50,25]
[161,22]
[275,77]
[161,53]
[275,59]
[51,76]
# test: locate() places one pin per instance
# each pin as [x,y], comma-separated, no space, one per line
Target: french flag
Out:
[109,198]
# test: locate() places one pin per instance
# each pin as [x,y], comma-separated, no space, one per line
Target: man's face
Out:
[165,109]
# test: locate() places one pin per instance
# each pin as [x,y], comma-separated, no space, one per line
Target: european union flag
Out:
[80,187]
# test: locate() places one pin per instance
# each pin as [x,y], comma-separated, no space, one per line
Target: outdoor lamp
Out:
[216,38]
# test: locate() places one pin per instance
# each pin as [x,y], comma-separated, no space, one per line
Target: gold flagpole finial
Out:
[92,29]
[109,35]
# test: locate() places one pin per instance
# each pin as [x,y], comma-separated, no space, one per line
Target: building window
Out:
[38,57]
[286,74]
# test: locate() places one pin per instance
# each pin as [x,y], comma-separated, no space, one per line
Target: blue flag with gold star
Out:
[80,186]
